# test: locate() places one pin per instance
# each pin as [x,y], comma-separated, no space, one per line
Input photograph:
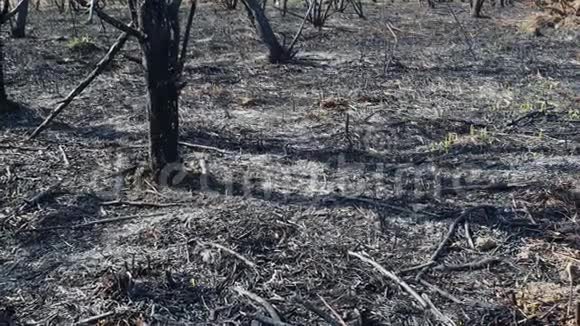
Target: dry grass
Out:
[556,14]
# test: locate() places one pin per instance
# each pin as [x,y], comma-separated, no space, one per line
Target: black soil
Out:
[365,146]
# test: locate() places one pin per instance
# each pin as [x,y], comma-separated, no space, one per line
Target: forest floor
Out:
[361,150]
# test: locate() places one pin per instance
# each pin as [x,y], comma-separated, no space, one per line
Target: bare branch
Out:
[299,32]
[7,15]
[231,252]
[133,11]
[393,277]
[271,311]
[120,25]
[183,53]
[86,82]
[93,223]
[129,29]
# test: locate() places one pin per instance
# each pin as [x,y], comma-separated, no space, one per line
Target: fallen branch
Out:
[84,225]
[334,313]
[423,300]
[393,277]
[93,319]
[271,311]
[115,48]
[468,235]
[414,268]
[137,203]
[269,321]
[530,115]
[321,313]
[442,292]
[483,263]
[500,186]
[448,236]
[51,191]
[438,314]
[230,251]
[393,207]
[215,149]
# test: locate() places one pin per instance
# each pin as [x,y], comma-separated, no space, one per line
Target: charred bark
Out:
[277,52]
[159,20]
[19,30]
[476,6]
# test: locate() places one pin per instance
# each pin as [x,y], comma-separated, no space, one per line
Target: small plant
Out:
[476,136]
[574,114]
[479,134]
[81,45]
[447,143]
[526,107]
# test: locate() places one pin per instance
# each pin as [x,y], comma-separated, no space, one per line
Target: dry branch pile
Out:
[556,14]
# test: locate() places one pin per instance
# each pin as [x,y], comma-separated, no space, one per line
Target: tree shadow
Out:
[21,117]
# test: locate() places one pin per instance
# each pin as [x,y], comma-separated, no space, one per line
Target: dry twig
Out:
[137,203]
[93,319]
[210,148]
[479,264]
[393,277]
[442,292]
[115,48]
[321,313]
[334,313]
[92,223]
[468,235]
[271,311]
[228,250]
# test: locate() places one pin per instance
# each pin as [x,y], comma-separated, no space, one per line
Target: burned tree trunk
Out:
[159,20]
[476,6]
[19,30]
[4,102]
[5,15]
[277,53]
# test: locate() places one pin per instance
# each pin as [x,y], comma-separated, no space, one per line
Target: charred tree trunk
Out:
[277,53]
[4,102]
[476,6]
[160,22]
[19,30]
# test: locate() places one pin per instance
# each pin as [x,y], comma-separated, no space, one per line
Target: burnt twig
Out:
[468,235]
[136,203]
[423,300]
[334,313]
[228,250]
[271,311]
[404,285]
[86,82]
[209,148]
[321,313]
[102,221]
[443,244]
[483,263]
[93,319]
[442,292]
[269,321]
